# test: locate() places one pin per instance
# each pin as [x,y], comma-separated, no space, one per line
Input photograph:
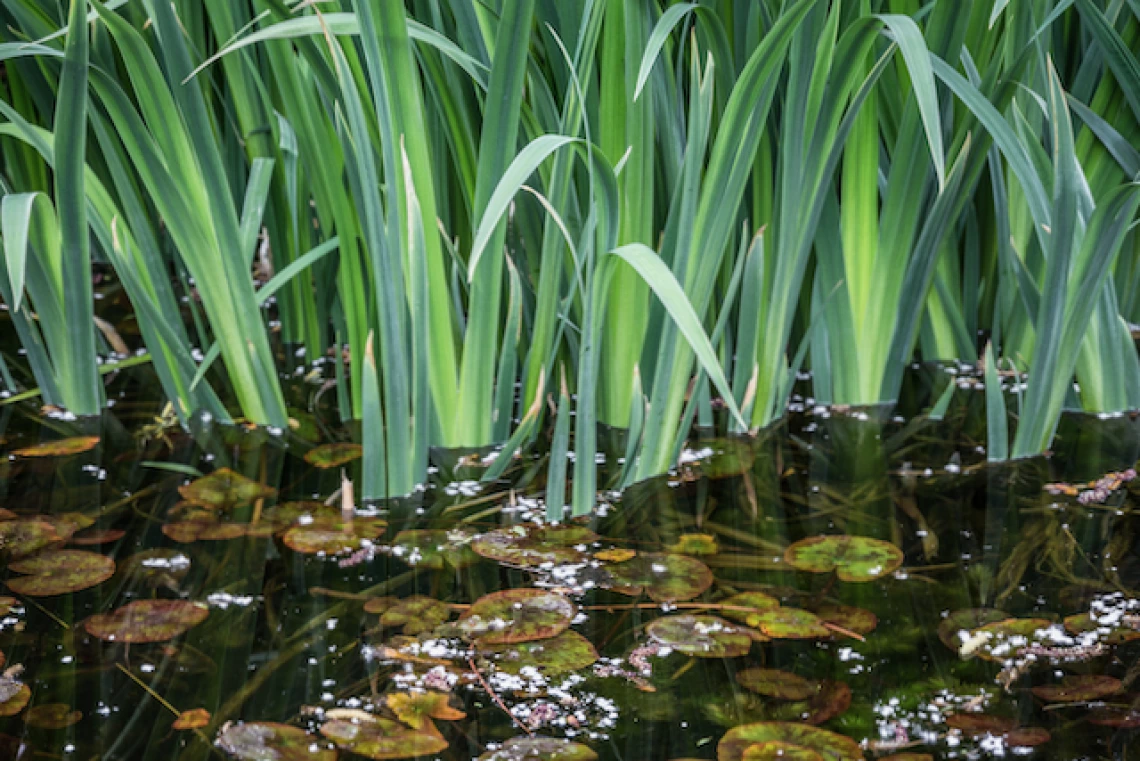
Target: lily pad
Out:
[534,546]
[434,548]
[779,751]
[303,511]
[517,615]
[1027,737]
[98,536]
[774,683]
[25,536]
[746,606]
[829,745]
[6,605]
[857,620]
[60,447]
[333,537]
[383,738]
[1110,634]
[539,749]
[417,614]
[980,724]
[664,577]
[1078,688]
[58,572]
[853,558]
[833,699]
[695,544]
[224,489]
[52,716]
[334,455]
[147,621]
[791,623]
[1002,639]
[956,627]
[417,709]
[615,555]
[269,741]
[700,636]
[186,532]
[195,718]
[567,652]
[18,694]
[1117,717]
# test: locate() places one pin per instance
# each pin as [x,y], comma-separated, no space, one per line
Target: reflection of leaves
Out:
[853,558]
[417,709]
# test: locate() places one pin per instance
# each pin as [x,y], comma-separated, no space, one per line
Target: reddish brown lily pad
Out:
[567,652]
[539,749]
[534,546]
[14,696]
[664,577]
[98,536]
[852,558]
[700,636]
[333,537]
[857,620]
[829,745]
[614,555]
[417,614]
[1027,737]
[434,548]
[779,751]
[980,724]
[1079,688]
[262,740]
[417,709]
[60,447]
[195,718]
[25,536]
[833,699]
[956,627]
[334,455]
[186,532]
[383,738]
[58,572]
[52,716]
[224,489]
[7,515]
[1117,717]
[517,615]
[791,623]
[147,621]
[774,683]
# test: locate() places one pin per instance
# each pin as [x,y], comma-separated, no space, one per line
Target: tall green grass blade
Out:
[559,449]
[997,432]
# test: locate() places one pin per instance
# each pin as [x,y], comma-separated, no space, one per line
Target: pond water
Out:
[956,611]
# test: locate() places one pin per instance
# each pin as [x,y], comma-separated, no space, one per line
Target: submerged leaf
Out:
[1079,688]
[829,745]
[60,447]
[853,558]
[147,621]
[383,738]
[417,709]
[224,489]
[517,615]
[269,741]
[774,683]
[333,455]
[434,548]
[567,652]
[52,716]
[539,749]
[58,572]
[534,546]
[700,636]
[665,578]
[195,718]
[186,532]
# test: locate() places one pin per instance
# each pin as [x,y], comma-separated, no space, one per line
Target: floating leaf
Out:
[268,741]
[203,531]
[224,489]
[333,455]
[700,636]
[829,745]
[383,739]
[745,607]
[66,524]
[567,652]
[980,724]
[7,515]
[1002,639]
[774,683]
[417,709]
[791,623]
[195,718]
[1079,688]
[1027,737]
[718,458]
[417,614]
[779,751]
[14,696]
[539,749]
[517,615]
[300,511]
[1114,634]
[25,536]
[58,572]
[6,604]
[853,558]
[665,578]
[695,544]
[60,447]
[857,620]
[534,546]
[957,627]
[98,536]
[833,699]
[434,548]
[332,537]
[1118,717]
[615,555]
[147,621]
[52,716]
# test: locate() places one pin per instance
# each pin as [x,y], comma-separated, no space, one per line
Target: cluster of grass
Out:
[596,211]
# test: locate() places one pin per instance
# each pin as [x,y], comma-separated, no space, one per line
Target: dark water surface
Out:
[634,640]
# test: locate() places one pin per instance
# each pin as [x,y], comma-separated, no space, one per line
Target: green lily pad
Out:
[186,532]
[1002,639]
[334,455]
[829,745]
[25,536]
[853,558]
[775,750]
[434,548]
[59,572]
[147,621]
[956,627]
[534,546]
[60,447]
[303,511]
[539,749]
[752,603]
[52,716]
[332,537]
[224,489]
[664,577]
[695,544]
[417,709]
[791,623]
[774,683]
[417,614]
[17,696]
[700,636]
[857,620]
[383,738]
[1078,688]
[517,615]
[1111,635]
[567,652]
[269,741]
